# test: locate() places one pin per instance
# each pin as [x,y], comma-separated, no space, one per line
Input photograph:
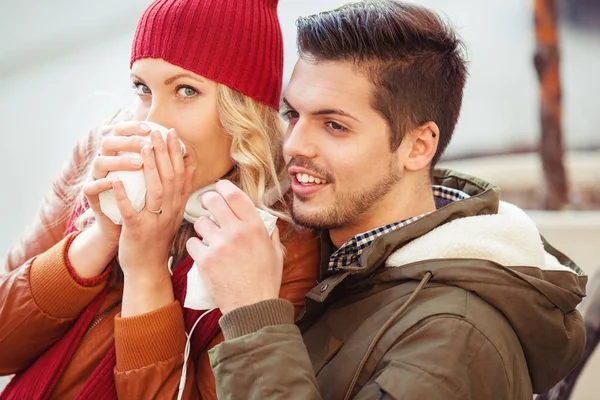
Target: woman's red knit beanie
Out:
[235,42]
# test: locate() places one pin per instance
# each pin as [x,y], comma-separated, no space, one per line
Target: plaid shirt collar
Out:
[350,252]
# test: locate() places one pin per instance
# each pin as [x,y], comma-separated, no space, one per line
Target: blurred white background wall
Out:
[64,68]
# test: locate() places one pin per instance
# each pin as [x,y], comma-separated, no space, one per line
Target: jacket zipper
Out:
[99,317]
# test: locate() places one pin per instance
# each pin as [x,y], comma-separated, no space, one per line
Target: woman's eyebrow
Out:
[172,79]
[183,75]
[135,77]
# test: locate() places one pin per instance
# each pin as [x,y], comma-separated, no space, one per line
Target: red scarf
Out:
[39,380]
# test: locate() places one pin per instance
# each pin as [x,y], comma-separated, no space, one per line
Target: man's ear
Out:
[421,145]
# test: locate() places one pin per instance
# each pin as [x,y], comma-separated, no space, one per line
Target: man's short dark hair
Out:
[413,58]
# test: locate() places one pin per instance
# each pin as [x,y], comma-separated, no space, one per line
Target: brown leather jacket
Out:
[40,300]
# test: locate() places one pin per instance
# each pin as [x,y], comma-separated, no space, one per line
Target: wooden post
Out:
[546,62]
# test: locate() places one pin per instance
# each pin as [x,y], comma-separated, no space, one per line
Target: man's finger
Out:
[195,248]
[276,241]
[206,228]
[218,208]
[238,201]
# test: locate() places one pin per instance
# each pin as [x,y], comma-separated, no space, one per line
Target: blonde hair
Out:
[257,134]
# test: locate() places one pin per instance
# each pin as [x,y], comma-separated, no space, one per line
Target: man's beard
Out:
[349,208]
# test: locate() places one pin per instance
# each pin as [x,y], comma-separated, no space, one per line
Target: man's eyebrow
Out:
[287,104]
[335,111]
[329,111]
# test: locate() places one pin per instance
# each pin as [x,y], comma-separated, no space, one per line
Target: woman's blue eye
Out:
[141,89]
[187,91]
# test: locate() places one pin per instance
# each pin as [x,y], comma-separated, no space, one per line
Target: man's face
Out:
[337,147]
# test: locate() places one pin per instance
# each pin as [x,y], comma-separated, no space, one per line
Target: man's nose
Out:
[300,142]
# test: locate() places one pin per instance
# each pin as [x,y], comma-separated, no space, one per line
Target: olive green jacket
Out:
[468,302]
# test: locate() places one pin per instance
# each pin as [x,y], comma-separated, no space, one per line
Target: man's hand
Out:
[240,263]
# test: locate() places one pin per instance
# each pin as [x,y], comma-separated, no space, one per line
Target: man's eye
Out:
[290,115]
[187,91]
[141,89]
[336,127]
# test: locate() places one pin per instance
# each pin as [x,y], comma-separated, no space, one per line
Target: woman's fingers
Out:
[128,212]
[187,189]
[154,187]
[92,190]
[113,145]
[178,165]
[131,128]
[164,166]
[167,175]
[127,137]
[105,164]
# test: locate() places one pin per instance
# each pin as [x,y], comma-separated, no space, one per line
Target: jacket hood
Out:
[502,258]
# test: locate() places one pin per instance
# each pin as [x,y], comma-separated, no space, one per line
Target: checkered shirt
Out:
[350,251]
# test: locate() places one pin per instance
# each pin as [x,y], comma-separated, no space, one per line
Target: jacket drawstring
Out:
[384,328]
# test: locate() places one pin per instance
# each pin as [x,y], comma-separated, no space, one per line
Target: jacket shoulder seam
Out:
[471,325]
[486,340]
